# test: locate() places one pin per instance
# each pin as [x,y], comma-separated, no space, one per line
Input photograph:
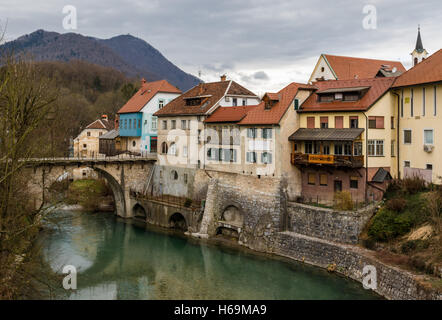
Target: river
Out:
[120,260]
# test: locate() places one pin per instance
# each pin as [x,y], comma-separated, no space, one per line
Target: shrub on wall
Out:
[396,204]
[343,201]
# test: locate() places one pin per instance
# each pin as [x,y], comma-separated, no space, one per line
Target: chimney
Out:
[104,117]
[223,77]
[143,81]
[200,89]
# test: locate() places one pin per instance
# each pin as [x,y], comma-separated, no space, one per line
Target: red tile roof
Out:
[377,88]
[101,124]
[429,70]
[347,68]
[210,93]
[260,115]
[229,114]
[147,91]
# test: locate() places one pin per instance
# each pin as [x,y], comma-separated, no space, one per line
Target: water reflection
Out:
[117,260]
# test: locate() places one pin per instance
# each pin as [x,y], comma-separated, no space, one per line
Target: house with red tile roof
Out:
[137,125]
[419,95]
[347,139]
[86,144]
[331,67]
[253,140]
[181,122]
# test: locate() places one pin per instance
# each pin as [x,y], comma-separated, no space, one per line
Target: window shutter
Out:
[269,156]
[248,156]
[296,103]
[311,122]
[234,155]
[380,122]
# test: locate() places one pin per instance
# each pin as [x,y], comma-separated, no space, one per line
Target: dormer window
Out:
[160,103]
[235,102]
[193,102]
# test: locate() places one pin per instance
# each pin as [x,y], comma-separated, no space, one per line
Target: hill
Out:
[130,55]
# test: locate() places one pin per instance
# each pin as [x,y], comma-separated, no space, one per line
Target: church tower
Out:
[419,53]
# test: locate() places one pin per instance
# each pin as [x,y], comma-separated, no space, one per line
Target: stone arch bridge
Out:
[124,175]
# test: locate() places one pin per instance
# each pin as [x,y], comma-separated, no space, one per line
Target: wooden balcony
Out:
[303,159]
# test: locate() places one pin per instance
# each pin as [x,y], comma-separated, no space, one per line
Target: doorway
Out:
[338,185]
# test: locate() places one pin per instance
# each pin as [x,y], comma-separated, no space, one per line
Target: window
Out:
[412,103]
[351,96]
[172,149]
[125,123]
[173,125]
[353,182]
[435,101]
[311,178]
[339,96]
[244,102]
[338,148]
[185,151]
[296,104]
[429,166]
[88,134]
[423,101]
[164,124]
[376,122]
[354,122]
[130,123]
[357,148]
[407,164]
[311,147]
[311,122]
[347,149]
[393,143]
[251,157]
[428,137]
[322,69]
[183,124]
[164,148]
[160,103]
[154,123]
[252,133]
[174,175]
[100,133]
[375,148]
[185,178]
[339,122]
[267,133]
[139,123]
[324,122]
[323,179]
[266,157]
[212,154]
[407,136]
[326,149]
[234,102]
[392,122]
[326,98]
[84,146]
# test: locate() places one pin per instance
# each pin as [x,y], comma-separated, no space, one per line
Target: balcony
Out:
[303,159]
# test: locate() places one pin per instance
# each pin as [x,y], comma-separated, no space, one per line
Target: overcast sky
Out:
[263,44]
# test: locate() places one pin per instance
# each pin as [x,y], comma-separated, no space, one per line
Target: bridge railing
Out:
[97,157]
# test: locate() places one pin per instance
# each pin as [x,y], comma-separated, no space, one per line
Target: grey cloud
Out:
[261,75]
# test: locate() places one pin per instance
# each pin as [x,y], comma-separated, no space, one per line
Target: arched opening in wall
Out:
[174,175]
[233,216]
[178,222]
[117,191]
[164,148]
[227,233]
[139,212]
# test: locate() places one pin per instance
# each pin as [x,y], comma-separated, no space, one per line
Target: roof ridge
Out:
[350,57]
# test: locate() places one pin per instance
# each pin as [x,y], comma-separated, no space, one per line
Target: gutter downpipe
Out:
[397,132]
[366,155]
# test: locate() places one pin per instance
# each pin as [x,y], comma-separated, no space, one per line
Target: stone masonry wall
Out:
[392,282]
[328,224]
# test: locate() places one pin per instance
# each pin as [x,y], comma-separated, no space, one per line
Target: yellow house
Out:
[419,96]
[86,144]
[347,139]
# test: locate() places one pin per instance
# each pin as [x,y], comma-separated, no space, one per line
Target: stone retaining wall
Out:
[392,282]
[328,224]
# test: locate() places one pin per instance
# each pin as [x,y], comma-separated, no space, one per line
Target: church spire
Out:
[419,46]
[419,53]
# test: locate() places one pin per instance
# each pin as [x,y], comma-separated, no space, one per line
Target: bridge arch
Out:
[178,221]
[117,190]
[138,211]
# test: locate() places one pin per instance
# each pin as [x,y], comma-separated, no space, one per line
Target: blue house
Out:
[137,125]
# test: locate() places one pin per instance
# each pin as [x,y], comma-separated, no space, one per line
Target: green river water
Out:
[120,260]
